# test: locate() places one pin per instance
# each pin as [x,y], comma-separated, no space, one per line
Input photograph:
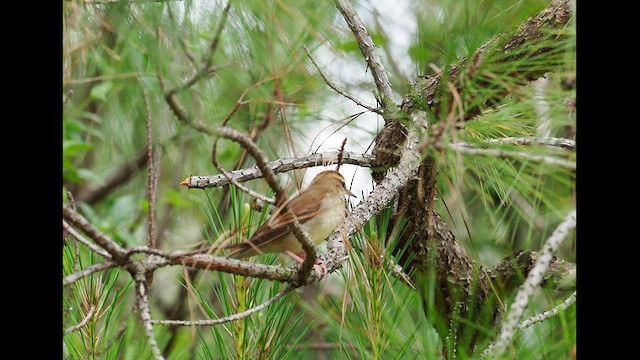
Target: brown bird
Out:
[319,209]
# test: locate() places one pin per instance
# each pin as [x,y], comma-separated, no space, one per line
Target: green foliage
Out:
[261,81]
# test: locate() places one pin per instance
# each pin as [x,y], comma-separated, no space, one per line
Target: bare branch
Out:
[145,314]
[552,142]
[341,153]
[307,245]
[516,154]
[216,163]
[370,53]
[549,313]
[337,89]
[531,282]
[232,266]
[233,317]
[154,251]
[84,241]
[278,166]
[151,172]
[101,239]
[261,160]
[81,323]
[88,271]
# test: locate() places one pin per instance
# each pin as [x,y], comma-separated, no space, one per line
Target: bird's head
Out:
[331,180]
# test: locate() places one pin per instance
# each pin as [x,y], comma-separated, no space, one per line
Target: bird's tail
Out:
[242,250]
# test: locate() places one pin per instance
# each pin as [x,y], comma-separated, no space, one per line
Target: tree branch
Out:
[502,154]
[88,271]
[233,317]
[81,323]
[79,221]
[145,314]
[336,88]
[549,313]
[279,166]
[553,142]
[230,179]
[371,56]
[84,241]
[152,172]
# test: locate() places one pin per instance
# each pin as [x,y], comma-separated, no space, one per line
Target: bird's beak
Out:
[349,192]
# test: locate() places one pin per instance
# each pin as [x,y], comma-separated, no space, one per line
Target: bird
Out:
[319,209]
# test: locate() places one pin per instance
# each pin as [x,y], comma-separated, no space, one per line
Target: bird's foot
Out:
[318,263]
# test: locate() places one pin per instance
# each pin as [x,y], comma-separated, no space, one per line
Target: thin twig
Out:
[216,163]
[84,241]
[534,277]
[552,142]
[368,48]
[81,323]
[154,251]
[336,88]
[232,266]
[259,156]
[571,165]
[281,165]
[341,153]
[88,271]
[151,172]
[549,313]
[145,314]
[225,319]
[101,239]
[307,245]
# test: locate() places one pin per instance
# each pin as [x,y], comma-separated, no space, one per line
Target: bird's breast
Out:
[330,214]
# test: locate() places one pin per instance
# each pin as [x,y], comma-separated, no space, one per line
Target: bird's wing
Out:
[305,205]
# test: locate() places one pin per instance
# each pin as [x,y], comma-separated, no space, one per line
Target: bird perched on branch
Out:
[319,209]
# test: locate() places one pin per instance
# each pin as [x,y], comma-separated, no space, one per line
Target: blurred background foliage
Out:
[113,53]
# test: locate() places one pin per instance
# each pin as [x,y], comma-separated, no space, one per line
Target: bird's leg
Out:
[300,259]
